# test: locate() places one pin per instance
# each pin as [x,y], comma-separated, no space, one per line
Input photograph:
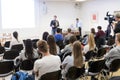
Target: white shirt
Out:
[78,24]
[14,42]
[47,64]
[22,54]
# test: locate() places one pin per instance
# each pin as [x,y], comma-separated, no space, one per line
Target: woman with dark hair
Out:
[53,48]
[29,52]
[45,35]
[15,39]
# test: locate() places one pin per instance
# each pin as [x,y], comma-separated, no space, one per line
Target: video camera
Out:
[109,17]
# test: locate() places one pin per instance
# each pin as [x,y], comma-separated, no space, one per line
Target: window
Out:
[17,14]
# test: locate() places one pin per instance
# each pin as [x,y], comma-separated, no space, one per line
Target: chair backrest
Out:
[2,49]
[96,66]
[35,40]
[101,52]
[11,54]
[7,44]
[90,54]
[27,64]
[6,67]
[115,65]
[56,75]
[18,47]
[74,73]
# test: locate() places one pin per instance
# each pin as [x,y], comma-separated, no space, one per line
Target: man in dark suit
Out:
[54,24]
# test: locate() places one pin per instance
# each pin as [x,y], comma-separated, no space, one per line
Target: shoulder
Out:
[37,62]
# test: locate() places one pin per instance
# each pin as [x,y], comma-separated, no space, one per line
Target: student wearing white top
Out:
[48,63]
[15,39]
[29,52]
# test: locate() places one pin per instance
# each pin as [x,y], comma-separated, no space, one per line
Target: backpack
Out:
[22,76]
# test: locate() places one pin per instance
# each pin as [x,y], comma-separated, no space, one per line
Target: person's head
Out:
[58,30]
[15,35]
[93,30]
[55,17]
[69,30]
[52,44]
[29,49]
[117,39]
[117,17]
[42,47]
[45,35]
[72,39]
[77,19]
[91,41]
[77,53]
[99,28]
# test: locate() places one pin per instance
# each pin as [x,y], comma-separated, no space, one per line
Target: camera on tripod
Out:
[109,17]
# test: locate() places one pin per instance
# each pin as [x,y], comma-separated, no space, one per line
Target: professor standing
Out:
[54,24]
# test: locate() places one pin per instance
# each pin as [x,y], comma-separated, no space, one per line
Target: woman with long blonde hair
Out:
[77,54]
[76,59]
[91,43]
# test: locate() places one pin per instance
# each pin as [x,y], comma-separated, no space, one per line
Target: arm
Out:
[36,68]
[109,54]
[64,63]
[51,23]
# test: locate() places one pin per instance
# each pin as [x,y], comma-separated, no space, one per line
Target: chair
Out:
[10,55]
[75,73]
[18,47]
[34,41]
[56,75]
[2,50]
[27,65]
[90,55]
[101,52]
[6,68]
[114,66]
[115,78]
[95,68]
[7,44]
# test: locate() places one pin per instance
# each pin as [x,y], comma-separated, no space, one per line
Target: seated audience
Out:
[28,52]
[114,53]
[45,35]
[53,48]
[100,37]
[68,48]
[58,35]
[93,31]
[48,63]
[76,59]
[15,39]
[91,44]
[67,37]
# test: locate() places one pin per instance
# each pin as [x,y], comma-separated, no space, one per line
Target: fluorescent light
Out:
[80,0]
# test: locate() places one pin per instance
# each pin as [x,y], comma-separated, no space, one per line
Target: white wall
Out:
[65,11]
[100,7]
